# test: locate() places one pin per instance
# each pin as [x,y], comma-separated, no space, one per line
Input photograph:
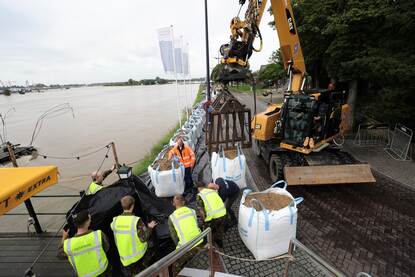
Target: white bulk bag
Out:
[167,183]
[190,126]
[267,233]
[229,169]
[199,118]
[187,139]
[197,121]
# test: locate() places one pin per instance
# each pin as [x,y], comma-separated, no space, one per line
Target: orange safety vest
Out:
[187,157]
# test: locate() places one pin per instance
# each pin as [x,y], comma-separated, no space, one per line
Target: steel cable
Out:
[74,157]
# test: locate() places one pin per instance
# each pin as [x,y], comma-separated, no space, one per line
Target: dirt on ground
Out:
[270,200]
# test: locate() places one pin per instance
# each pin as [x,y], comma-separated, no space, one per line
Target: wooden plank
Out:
[328,174]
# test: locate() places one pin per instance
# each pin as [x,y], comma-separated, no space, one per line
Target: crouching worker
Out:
[187,157]
[183,228]
[212,211]
[86,251]
[229,192]
[131,237]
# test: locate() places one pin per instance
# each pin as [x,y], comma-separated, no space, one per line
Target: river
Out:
[135,118]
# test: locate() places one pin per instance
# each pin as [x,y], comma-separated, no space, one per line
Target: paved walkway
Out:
[401,171]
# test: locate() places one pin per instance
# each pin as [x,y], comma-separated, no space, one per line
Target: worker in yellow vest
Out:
[183,228]
[212,211]
[183,222]
[131,236]
[86,251]
[97,178]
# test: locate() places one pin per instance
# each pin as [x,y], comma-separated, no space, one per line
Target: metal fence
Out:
[372,134]
[398,149]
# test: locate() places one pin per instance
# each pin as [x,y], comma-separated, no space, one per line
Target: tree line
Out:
[364,46]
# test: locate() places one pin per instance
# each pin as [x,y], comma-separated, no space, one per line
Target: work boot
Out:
[311,143]
[306,141]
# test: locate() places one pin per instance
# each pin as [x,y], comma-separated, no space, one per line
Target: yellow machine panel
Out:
[263,123]
[19,184]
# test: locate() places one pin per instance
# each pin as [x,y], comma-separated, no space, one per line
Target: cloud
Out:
[74,41]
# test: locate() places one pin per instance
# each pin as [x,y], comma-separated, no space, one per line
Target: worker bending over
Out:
[187,157]
[183,228]
[86,251]
[97,178]
[212,211]
[131,236]
[228,192]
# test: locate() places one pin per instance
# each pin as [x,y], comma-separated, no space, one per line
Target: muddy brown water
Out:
[135,118]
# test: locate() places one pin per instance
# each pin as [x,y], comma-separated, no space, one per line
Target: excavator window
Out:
[298,118]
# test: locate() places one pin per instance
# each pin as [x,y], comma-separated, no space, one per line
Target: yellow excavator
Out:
[298,138]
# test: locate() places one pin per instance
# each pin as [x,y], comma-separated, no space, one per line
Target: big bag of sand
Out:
[166,176]
[229,165]
[268,220]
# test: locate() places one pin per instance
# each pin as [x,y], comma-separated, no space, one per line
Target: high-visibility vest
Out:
[187,157]
[129,245]
[185,223]
[86,254]
[93,188]
[214,206]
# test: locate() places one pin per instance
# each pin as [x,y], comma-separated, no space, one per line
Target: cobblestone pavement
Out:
[356,228]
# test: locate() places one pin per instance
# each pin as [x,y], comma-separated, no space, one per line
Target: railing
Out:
[372,134]
[33,220]
[161,267]
[329,268]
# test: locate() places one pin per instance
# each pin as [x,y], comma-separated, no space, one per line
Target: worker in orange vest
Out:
[186,156]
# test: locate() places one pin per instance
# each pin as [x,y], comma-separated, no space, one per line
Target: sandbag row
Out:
[167,177]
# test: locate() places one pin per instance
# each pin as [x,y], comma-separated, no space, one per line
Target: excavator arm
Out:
[243,33]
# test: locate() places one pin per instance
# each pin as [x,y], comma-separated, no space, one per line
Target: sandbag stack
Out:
[229,165]
[167,177]
[268,220]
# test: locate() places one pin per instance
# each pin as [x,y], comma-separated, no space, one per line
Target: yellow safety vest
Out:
[93,188]
[185,223]
[86,254]
[129,245]
[214,207]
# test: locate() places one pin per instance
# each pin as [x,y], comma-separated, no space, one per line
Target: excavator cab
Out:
[297,118]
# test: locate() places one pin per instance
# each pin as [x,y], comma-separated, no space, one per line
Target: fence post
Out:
[210,243]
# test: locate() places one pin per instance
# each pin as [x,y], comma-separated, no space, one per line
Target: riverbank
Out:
[143,164]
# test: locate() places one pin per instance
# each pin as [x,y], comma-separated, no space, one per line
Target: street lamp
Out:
[124,172]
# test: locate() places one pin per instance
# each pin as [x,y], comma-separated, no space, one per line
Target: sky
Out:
[88,41]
